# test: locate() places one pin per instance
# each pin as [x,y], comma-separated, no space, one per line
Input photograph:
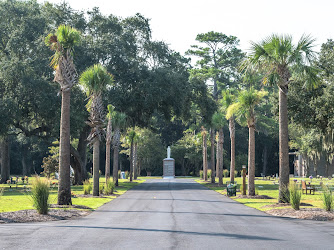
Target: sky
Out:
[177,22]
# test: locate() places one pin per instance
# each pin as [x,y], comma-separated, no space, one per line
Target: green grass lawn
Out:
[17,197]
[270,188]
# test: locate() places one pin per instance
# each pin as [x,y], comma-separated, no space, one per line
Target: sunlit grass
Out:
[17,197]
[270,188]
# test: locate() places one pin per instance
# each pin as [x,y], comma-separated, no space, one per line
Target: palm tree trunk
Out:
[221,156]
[108,143]
[284,169]
[107,170]
[115,165]
[212,158]
[251,161]
[135,170]
[217,155]
[5,165]
[131,161]
[232,137]
[64,185]
[205,158]
[96,167]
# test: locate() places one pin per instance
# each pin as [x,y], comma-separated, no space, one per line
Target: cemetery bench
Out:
[307,187]
[231,188]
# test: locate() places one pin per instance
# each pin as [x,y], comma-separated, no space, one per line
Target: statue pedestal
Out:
[168,168]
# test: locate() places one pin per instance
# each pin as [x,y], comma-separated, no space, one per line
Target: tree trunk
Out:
[23,161]
[107,170]
[265,160]
[217,155]
[5,164]
[232,137]
[212,158]
[205,158]
[251,161]
[183,169]
[284,169]
[115,165]
[108,148]
[96,167]
[64,184]
[135,170]
[221,156]
[131,161]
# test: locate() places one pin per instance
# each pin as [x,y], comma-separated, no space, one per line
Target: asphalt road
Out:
[171,214]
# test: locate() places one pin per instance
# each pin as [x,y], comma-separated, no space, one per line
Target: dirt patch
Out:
[286,205]
[33,216]
[254,197]
[304,213]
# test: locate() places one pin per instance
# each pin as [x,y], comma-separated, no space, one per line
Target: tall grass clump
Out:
[109,187]
[40,191]
[209,173]
[327,198]
[87,187]
[226,173]
[295,196]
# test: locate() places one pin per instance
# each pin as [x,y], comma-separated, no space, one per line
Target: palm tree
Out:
[244,109]
[205,153]
[131,137]
[108,140]
[228,99]
[283,62]
[218,122]
[95,80]
[62,43]
[118,122]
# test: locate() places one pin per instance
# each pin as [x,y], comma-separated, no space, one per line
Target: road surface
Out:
[171,214]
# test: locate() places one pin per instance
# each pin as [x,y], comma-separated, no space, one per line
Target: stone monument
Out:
[168,166]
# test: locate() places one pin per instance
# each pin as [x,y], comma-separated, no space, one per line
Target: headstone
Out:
[168,166]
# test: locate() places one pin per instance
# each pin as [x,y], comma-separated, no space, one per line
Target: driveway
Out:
[171,214]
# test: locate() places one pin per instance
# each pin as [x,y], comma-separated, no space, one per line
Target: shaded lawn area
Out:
[18,196]
[270,188]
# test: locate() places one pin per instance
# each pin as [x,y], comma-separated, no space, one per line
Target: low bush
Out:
[226,173]
[87,187]
[101,190]
[127,174]
[40,194]
[235,173]
[209,173]
[109,187]
[327,198]
[295,195]
[201,174]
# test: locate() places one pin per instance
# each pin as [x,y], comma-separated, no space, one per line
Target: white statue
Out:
[168,152]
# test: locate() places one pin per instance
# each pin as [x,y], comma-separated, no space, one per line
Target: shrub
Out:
[295,195]
[226,173]
[201,174]
[89,175]
[87,187]
[327,198]
[209,173]
[101,190]
[127,174]
[40,194]
[109,187]
[235,173]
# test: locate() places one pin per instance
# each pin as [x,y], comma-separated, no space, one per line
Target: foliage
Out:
[209,173]
[109,187]
[101,188]
[295,195]
[40,191]
[87,187]
[226,173]
[201,174]
[327,198]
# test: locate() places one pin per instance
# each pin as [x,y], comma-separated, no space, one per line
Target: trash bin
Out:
[231,189]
